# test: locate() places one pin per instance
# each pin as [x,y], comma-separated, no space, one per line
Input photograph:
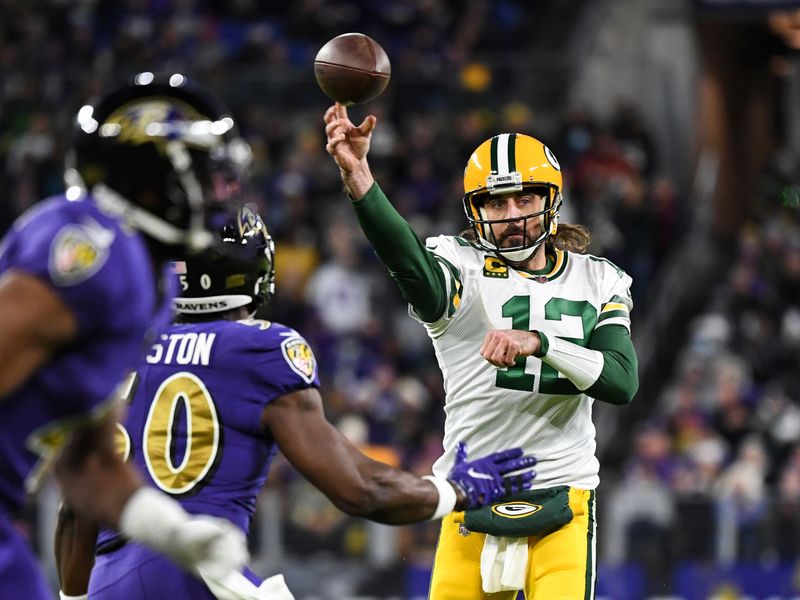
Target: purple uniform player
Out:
[78,252]
[199,438]
[83,292]
[215,398]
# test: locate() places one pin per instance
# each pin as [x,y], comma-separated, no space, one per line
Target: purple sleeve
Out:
[75,260]
[287,365]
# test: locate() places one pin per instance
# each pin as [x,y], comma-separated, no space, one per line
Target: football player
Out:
[83,288]
[216,396]
[528,331]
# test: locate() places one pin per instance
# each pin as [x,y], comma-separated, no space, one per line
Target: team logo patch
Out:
[248,222]
[551,158]
[300,358]
[494,267]
[78,252]
[516,510]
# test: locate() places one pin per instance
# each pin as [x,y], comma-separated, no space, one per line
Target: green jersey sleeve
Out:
[417,271]
[619,379]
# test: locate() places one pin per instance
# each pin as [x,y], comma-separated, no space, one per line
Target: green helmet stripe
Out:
[493,154]
[512,153]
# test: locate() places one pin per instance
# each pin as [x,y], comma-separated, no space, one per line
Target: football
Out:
[352,68]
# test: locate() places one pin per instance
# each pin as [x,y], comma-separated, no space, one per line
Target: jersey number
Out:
[518,309]
[201,446]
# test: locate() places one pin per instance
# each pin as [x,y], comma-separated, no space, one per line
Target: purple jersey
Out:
[194,425]
[104,274]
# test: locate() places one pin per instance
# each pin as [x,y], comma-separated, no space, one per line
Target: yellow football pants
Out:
[561,565]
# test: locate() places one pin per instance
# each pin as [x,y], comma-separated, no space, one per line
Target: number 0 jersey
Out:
[194,424]
[530,404]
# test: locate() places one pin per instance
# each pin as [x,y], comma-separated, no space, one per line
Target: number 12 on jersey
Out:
[518,309]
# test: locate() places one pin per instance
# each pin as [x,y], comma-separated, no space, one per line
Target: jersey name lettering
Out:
[182,349]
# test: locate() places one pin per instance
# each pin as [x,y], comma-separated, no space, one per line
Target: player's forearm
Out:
[94,480]
[74,544]
[410,264]
[606,370]
[395,497]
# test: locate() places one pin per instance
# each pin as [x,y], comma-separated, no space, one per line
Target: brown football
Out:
[352,68]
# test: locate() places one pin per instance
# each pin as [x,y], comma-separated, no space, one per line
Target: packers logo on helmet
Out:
[511,163]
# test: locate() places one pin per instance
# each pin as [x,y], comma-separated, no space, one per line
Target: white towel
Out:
[504,563]
[235,586]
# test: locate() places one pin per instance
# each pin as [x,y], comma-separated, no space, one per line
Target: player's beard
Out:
[517,230]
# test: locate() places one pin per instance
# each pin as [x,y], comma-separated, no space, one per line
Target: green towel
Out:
[532,512]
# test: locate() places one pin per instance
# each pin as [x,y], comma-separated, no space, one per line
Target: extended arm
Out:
[94,480]
[607,370]
[410,264]
[363,487]
[34,323]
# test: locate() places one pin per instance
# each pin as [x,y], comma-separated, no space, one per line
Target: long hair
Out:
[572,237]
[569,236]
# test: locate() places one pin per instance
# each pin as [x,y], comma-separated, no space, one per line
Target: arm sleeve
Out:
[619,379]
[607,370]
[417,271]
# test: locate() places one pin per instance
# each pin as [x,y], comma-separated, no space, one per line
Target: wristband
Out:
[447,497]
[63,596]
[151,518]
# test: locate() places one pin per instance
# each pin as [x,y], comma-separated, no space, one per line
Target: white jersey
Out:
[529,405]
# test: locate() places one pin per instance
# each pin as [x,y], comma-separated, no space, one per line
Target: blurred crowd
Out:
[716,466]
[715,471]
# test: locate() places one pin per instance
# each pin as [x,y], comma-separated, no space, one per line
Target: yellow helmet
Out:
[506,163]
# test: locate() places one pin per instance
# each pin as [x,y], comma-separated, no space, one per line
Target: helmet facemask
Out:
[485,228]
[512,163]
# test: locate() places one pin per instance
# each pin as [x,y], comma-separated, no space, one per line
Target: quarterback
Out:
[528,332]
[215,398]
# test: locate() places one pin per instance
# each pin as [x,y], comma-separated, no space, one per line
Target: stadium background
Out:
[678,126]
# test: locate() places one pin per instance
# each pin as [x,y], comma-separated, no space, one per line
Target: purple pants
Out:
[137,573]
[19,574]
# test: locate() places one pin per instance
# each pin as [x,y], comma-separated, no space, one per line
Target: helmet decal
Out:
[551,158]
[503,153]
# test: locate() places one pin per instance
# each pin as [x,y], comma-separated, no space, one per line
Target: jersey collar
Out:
[556,263]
